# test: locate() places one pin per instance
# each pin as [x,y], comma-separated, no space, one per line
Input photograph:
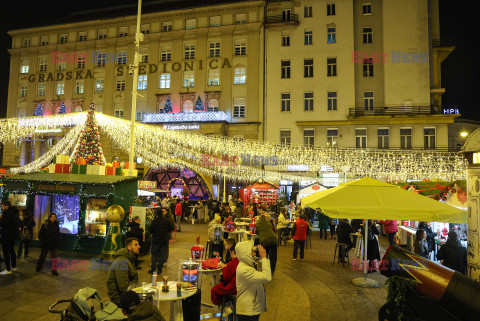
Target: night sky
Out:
[459,24]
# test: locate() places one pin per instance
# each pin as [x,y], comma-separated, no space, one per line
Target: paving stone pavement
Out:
[311,290]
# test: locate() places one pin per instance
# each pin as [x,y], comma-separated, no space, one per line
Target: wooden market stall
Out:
[80,202]
[259,192]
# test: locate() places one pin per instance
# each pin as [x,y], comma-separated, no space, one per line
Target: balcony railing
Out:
[283,19]
[398,110]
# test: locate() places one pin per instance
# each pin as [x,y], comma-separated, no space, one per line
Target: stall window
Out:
[67,208]
[96,216]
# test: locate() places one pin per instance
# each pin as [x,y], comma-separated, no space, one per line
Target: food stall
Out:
[80,202]
[259,192]
[451,193]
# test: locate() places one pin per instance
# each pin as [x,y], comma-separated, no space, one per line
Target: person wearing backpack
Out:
[49,237]
[27,223]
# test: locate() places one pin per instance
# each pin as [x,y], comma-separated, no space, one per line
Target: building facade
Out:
[345,74]
[205,63]
[355,74]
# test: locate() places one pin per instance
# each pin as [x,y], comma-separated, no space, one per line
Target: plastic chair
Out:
[341,247]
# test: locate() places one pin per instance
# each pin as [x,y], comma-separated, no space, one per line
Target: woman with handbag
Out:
[27,223]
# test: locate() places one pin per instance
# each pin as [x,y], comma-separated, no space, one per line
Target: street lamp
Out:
[464,134]
[136,60]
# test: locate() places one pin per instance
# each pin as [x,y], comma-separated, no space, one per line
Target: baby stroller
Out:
[87,305]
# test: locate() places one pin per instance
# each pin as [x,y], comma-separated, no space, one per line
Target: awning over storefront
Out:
[368,198]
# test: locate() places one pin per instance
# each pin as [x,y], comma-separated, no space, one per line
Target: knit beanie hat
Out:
[128,301]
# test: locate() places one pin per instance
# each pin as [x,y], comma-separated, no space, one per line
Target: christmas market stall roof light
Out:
[70,178]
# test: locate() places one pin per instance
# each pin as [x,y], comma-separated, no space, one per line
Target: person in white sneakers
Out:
[251,295]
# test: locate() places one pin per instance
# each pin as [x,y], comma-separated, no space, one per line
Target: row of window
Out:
[367,36]
[286,65]
[308,101]
[383,137]
[239,78]
[308,11]
[121,58]
[215,21]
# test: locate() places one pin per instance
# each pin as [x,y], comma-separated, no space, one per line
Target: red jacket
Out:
[178,209]
[228,285]
[300,230]
[390,226]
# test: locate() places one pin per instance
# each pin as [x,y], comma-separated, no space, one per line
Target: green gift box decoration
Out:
[83,169]
[75,169]
[118,171]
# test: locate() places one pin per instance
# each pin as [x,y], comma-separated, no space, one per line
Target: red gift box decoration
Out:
[59,168]
[127,165]
[110,170]
[116,164]
[66,169]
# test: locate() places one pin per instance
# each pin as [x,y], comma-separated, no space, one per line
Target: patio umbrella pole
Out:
[365,282]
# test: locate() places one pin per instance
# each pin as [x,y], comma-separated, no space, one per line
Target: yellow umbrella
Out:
[368,198]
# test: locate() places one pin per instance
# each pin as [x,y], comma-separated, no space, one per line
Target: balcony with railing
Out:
[282,19]
[401,111]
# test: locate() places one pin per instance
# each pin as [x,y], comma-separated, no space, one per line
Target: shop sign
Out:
[181,127]
[451,111]
[56,188]
[298,168]
[147,184]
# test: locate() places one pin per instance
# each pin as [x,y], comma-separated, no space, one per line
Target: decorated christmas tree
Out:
[62,110]
[199,104]
[88,145]
[38,110]
[168,106]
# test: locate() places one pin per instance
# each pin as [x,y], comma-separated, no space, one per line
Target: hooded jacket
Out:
[282,221]
[251,296]
[211,229]
[122,274]
[145,311]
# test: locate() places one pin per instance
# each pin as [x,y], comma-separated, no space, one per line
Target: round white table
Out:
[237,235]
[246,219]
[176,310]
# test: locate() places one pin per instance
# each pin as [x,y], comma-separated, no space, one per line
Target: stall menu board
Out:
[96,216]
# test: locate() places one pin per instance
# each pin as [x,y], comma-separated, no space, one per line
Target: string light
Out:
[159,146]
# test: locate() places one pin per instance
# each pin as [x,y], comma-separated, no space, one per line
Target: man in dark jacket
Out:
[343,234]
[27,223]
[9,224]
[161,229]
[267,238]
[122,271]
[49,237]
[453,254]
[135,309]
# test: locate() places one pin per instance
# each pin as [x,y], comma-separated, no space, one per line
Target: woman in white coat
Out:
[251,296]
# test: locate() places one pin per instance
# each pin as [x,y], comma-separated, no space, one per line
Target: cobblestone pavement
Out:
[311,290]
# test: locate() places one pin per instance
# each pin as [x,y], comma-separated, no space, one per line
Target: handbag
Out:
[211,264]
[26,235]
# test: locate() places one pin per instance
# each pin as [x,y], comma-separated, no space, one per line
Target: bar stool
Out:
[341,247]
[226,299]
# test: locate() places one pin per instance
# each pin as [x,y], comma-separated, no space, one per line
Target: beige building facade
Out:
[346,74]
[203,61]
[355,74]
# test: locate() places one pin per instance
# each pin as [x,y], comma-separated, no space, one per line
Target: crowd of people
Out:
[246,266]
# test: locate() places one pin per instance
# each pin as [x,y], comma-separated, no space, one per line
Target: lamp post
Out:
[138,38]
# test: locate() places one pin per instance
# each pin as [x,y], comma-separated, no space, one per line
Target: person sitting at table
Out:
[135,309]
[227,285]
[343,235]
[267,238]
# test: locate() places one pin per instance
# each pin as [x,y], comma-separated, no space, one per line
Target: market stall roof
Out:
[308,190]
[70,178]
[368,198]
[264,185]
